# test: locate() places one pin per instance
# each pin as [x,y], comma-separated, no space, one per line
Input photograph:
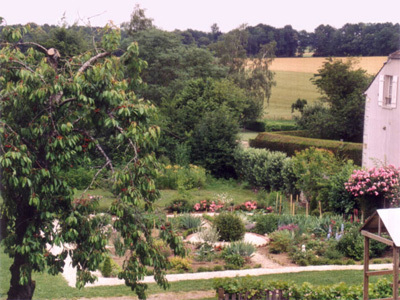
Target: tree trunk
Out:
[17,291]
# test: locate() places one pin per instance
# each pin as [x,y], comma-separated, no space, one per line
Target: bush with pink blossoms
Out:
[382,181]
[375,183]
[207,205]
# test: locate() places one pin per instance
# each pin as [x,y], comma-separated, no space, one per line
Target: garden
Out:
[257,223]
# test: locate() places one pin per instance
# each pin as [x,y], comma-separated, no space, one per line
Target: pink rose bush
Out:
[206,205]
[377,182]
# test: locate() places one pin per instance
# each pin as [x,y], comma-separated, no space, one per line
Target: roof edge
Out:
[395,55]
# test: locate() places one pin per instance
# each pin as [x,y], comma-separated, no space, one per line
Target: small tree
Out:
[340,114]
[214,141]
[313,168]
[54,112]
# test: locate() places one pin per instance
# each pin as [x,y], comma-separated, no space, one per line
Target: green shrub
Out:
[289,177]
[266,223]
[377,249]
[338,199]
[259,167]
[109,268]
[209,235]
[106,269]
[256,287]
[257,125]
[230,227]
[205,252]
[280,241]
[179,206]
[281,125]
[244,249]
[218,268]
[204,269]
[314,167]
[179,263]
[176,177]
[290,144]
[80,178]
[162,246]
[187,221]
[352,245]
[149,272]
[234,261]
[332,252]
[213,142]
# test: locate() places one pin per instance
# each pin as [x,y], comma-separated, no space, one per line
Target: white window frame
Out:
[387,97]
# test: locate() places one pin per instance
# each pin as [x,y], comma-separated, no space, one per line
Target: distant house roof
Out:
[395,55]
[389,220]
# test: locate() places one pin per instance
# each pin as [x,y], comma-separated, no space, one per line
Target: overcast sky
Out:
[201,14]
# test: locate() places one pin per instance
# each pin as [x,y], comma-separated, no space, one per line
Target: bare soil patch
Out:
[164,296]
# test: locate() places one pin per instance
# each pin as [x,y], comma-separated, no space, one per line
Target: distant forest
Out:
[362,39]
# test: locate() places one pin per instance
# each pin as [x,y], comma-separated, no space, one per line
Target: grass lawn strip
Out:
[56,287]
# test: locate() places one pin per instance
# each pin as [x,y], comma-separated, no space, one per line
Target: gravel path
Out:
[69,273]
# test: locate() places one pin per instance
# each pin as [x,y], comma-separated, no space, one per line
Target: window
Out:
[387,91]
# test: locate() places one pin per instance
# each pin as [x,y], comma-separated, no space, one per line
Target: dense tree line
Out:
[378,39]
[361,39]
[365,39]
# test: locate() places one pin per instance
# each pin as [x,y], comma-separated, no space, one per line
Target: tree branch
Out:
[97,174]
[34,44]
[91,60]
[29,69]
[130,141]
[98,146]
[67,101]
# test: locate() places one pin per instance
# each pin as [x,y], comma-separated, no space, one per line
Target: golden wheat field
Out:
[372,64]
[292,76]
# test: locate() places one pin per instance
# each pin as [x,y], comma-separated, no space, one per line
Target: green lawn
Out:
[232,189]
[289,87]
[55,287]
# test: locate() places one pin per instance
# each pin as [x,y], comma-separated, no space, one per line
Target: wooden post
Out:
[395,273]
[291,204]
[320,209]
[221,293]
[307,209]
[276,202]
[366,268]
[280,205]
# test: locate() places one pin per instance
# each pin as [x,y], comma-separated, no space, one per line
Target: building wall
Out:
[382,124]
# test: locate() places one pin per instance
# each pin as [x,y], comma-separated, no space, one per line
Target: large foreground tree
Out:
[54,112]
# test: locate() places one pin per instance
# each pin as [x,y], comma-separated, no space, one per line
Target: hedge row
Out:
[260,167]
[306,291]
[278,141]
[262,126]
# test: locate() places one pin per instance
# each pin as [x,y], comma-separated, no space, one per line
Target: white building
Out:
[382,116]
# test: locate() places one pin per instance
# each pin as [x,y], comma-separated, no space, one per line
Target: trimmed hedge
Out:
[279,141]
[306,291]
[261,126]
[258,126]
[260,167]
